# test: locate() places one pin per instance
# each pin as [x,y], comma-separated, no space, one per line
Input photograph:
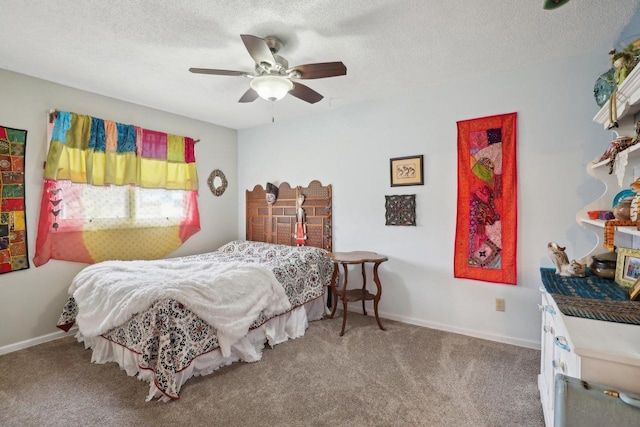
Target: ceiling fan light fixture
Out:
[271,88]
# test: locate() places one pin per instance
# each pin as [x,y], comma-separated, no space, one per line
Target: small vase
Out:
[604,87]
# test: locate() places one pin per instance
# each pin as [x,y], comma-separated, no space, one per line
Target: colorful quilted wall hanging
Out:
[401,209]
[486,228]
[13,231]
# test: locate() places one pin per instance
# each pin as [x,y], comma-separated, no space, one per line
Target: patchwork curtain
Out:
[115,191]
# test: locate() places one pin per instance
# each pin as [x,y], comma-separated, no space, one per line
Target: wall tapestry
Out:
[401,209]
[13,231]
[486,229]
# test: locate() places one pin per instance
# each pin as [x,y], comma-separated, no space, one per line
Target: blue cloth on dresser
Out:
[595,287]
[591,297]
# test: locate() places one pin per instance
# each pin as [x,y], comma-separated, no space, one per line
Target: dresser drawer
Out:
[565,360]
[554,319]
[557,354]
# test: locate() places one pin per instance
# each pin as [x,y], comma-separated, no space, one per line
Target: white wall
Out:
[31,300]
[350,148]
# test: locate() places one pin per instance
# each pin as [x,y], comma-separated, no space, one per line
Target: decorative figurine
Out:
[623,62]
[272,193]
[563,266]
[301,228]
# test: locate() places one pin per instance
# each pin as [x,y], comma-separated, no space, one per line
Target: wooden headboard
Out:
[276,223]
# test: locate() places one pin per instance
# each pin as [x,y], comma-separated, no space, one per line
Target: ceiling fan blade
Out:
[249,96]
[305,93]
[320,70]
[217,72]
[258,49]
[554,4]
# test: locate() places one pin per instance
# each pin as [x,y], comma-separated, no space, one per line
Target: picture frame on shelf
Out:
[407,170]
[627,267]
[634,290]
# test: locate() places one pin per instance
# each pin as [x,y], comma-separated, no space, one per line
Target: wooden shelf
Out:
[356,295]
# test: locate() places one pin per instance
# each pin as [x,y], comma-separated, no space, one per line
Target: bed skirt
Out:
[292,324]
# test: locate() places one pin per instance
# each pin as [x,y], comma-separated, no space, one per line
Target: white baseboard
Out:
[35,341]
[535,345]
[433,325]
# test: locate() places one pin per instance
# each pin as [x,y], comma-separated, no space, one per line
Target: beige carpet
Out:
[406,376]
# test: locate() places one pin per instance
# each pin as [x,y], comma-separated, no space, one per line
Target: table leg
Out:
[376,299]
[364,288]
[333,290]
[344,299]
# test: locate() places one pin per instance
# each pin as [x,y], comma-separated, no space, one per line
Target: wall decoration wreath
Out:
[217,182]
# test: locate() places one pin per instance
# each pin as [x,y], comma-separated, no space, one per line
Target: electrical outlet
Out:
[499,304]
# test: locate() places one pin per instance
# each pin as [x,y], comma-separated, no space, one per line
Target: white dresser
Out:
[592,350]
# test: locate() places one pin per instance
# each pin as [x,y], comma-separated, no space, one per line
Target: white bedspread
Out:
[228,296]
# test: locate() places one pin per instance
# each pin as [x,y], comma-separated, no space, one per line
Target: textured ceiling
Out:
[140,51]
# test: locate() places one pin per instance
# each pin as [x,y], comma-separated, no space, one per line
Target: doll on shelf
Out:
[301,228]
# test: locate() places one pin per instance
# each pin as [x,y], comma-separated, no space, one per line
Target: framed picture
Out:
[627,267]
[407,171]
[634,290]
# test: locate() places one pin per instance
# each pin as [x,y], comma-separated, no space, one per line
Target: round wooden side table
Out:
[356,257]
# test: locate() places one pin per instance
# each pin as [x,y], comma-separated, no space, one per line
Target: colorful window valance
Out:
[88,150]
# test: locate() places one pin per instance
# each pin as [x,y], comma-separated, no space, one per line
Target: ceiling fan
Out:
[272,79]
[554,4]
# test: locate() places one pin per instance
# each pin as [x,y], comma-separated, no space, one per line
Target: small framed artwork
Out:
[407,171]
[627,267]
[401,209]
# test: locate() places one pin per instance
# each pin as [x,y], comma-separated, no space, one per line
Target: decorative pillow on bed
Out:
[247,247]
[306,256]
[240,247]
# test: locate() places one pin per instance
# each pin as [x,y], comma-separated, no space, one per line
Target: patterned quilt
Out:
[168,336]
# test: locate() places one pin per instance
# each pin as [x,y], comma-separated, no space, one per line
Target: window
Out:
[115,191]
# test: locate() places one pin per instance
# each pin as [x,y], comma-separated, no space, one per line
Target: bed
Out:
[257,291]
